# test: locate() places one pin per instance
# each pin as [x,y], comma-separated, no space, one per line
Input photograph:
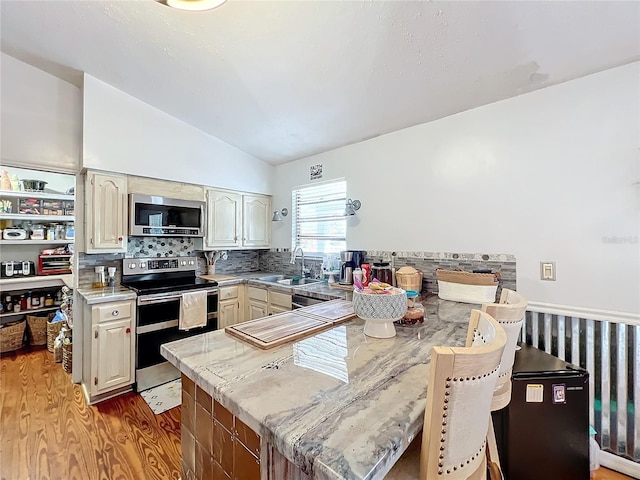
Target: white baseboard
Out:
[619,464]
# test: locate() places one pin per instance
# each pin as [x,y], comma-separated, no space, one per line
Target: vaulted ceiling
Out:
[282,80]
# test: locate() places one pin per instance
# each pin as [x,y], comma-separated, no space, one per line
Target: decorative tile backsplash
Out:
[277,261]
[160,246]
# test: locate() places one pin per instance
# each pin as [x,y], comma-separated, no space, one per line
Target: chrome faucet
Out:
[303,270]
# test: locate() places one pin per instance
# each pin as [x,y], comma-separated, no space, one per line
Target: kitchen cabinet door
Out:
[256,224]
[113,344]
[106,215]
[257,309]
[228,312]
[224,210]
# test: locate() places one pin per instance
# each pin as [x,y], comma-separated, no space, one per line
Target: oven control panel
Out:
[132,266]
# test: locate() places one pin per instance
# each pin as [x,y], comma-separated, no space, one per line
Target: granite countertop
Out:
[103,295]
[339,404]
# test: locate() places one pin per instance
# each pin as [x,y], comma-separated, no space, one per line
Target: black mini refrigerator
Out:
[544,431]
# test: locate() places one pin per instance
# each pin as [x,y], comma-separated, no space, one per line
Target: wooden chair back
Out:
[509,313]
[461,385]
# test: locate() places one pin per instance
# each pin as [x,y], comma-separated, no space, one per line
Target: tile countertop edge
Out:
[227,381]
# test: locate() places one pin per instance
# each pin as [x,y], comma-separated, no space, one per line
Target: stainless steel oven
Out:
[158,317]
[159,284]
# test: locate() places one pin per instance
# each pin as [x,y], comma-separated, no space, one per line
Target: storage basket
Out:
[12,336]
[37,328]
[53,329]
[467,287]
[409,281]
[67,355]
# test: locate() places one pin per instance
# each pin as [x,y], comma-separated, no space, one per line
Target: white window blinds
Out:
[319,226]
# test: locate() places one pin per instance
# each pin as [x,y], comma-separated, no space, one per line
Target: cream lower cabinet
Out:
[106,213]
[112,339]
[229,305]
[256,302]
[237,220]
[278,302]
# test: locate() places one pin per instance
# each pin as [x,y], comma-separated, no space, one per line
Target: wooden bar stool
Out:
[509,312]
[461,385]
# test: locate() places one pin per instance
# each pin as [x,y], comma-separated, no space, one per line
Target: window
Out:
[319,226]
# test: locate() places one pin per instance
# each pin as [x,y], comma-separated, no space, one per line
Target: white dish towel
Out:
[193,310]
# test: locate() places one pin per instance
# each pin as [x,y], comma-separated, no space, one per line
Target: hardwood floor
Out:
[48,432]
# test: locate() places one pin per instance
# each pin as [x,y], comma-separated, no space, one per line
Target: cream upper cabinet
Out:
[256,222]
[236,220]
[224,212]
[106,213]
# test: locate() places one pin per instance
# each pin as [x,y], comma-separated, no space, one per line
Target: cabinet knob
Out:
[128,330]
[115,313]
[119,239]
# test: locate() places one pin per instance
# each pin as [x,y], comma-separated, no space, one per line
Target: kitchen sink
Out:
[288,280]
[298,281]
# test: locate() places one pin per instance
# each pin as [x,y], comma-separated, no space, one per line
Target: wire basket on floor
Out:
[12,336]
[67,355]
[53,329]
[37,328]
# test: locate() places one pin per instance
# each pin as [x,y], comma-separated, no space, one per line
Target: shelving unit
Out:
[29,249]
[36,242]
[38,218]
[41,195]
[30,312]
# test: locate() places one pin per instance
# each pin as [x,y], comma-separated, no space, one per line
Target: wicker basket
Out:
[12,336]
[37,328]
[67,355]
[53,329]
[409,281]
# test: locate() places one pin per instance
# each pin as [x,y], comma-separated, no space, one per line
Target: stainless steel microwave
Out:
[165,217]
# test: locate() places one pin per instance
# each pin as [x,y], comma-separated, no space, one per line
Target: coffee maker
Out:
[351,259]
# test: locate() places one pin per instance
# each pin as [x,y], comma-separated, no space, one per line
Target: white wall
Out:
[123,134]
[41,118]
[550,175]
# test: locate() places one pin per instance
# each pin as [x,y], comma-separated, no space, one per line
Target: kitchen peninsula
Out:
[335,405]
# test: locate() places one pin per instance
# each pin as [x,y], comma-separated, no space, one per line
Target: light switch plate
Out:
[547,271]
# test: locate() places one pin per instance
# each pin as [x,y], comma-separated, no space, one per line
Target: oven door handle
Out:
[150,300]
[154,327]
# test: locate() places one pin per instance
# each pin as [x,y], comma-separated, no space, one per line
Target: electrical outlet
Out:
[548,271]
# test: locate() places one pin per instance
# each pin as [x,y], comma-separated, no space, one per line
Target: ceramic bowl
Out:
[380,311]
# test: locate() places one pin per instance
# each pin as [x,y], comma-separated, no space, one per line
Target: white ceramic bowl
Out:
[380,311]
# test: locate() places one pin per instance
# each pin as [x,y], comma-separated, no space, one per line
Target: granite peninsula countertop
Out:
[339,404]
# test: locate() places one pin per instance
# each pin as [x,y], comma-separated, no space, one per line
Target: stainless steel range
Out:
[160,283]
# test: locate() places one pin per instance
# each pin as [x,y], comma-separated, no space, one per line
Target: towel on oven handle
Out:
[193,310]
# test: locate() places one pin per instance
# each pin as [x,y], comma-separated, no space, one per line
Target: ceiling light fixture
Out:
[193,5]
[351,207]
[277,215]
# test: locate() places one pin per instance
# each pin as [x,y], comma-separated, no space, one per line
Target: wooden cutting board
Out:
[274,330]
[334,311]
